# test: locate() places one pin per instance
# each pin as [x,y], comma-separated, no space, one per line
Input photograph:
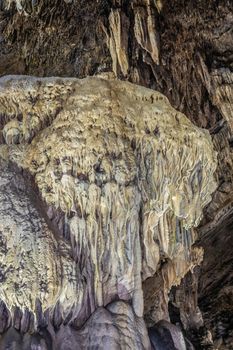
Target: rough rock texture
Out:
[39,41]
[185,312]
[114,327]
[30,265]
[183,49]
[126,175]
[215,299]
[166,336]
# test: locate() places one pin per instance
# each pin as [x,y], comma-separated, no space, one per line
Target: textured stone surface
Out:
[114,327]
[36,268]
[129,176]
[215,295]
[166,336]
[29,263]
[182,49]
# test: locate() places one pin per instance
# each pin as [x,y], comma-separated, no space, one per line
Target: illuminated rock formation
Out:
[183,49]
[116,181]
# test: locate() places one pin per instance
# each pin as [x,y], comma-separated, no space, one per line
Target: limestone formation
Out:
[184,50]
[114,181]
[36,268]
[146,32]
[118,41]
[114,327]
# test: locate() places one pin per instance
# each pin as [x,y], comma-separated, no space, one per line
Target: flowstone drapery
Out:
[114,180]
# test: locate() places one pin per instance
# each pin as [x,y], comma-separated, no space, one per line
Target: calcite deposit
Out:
[183,49]
[113,183]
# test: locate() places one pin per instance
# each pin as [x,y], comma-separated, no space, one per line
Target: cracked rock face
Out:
[114,181]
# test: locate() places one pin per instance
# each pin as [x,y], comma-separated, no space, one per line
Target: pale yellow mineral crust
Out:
[131,174]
